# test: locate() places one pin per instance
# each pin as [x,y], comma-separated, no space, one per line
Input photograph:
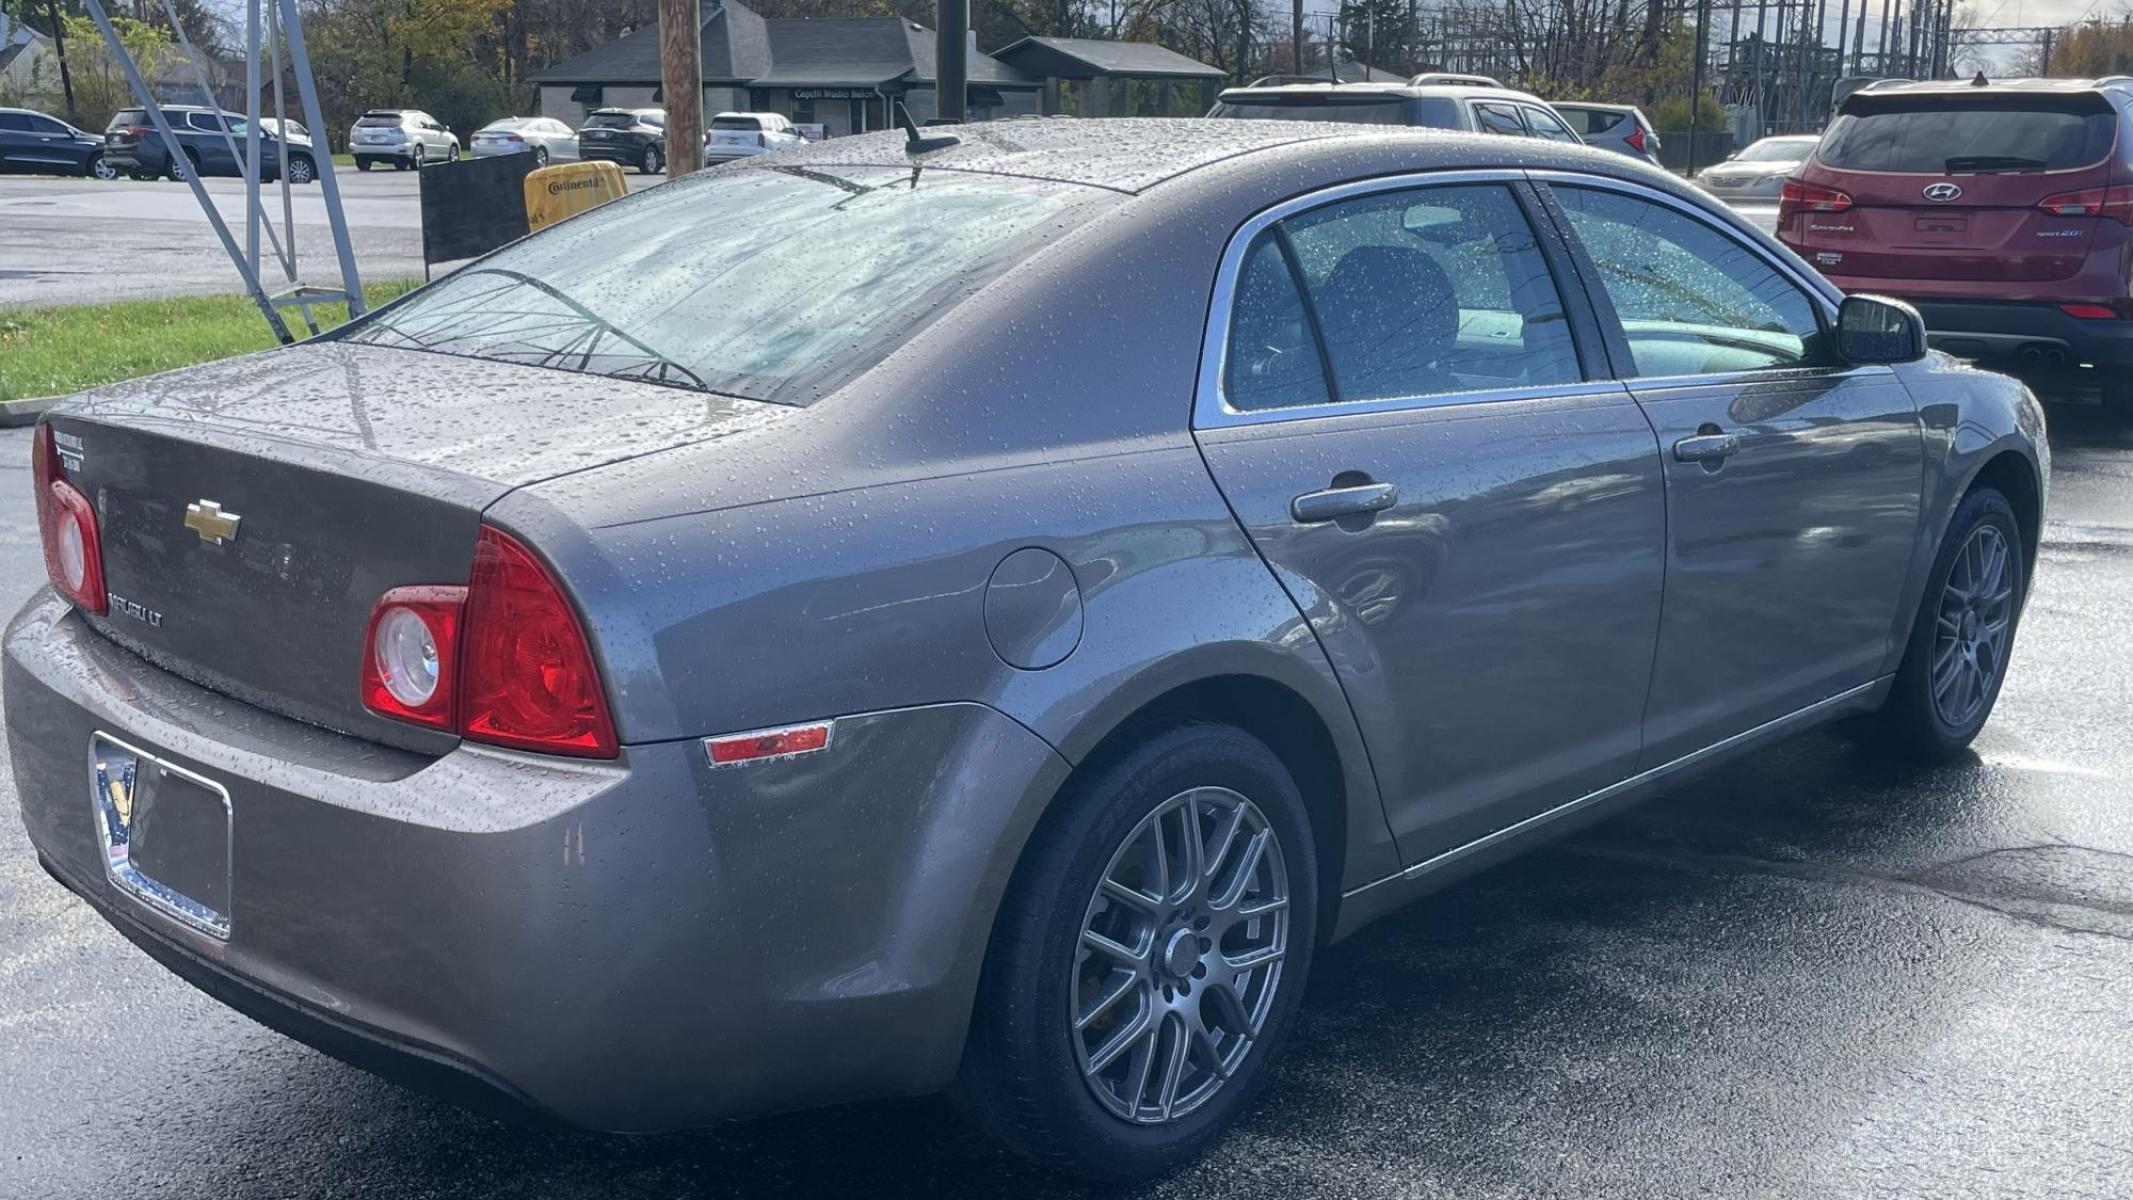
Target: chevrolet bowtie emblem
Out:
[206,518]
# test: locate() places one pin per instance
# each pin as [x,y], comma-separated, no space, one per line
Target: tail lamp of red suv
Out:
[502,660]
[1797,197]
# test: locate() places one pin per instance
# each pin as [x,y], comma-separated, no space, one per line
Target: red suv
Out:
[2002,210]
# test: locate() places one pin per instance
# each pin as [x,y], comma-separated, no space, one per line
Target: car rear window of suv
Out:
[610,121]
[378,121]
[777,284]
[1934,135]
[751,124]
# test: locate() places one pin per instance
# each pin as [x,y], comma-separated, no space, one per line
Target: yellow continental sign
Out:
[553,193]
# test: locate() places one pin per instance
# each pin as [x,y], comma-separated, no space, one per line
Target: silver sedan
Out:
[544,137]
[977,613]
[1759,172]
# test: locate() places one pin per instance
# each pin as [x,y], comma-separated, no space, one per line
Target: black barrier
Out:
[472,206]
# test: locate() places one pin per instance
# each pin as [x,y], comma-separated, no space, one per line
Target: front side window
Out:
[1419,292]
[778,284]
[1389,109]
[1691,300]
[1499,118]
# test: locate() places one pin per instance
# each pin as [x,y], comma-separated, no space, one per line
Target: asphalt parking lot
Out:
[1815,974]
[86,241]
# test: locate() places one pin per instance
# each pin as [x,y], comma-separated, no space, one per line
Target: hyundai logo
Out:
[1941,193]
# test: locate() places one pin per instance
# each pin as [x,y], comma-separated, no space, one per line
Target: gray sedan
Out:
[977,615]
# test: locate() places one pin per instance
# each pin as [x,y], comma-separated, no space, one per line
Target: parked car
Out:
[1759,172]
[1473,103]
[33,143]
[543,137]
[741,649]
[743,135]
[631,136]
[210,142]
[2001,210]
[1622,128]
[408,138]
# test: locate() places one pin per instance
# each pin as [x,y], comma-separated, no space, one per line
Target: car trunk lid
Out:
[253,511]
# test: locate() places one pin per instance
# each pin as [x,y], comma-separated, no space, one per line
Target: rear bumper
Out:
[621,152]
[2028,334]
[638,945]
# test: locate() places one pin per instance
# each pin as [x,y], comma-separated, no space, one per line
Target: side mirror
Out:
[1876,329]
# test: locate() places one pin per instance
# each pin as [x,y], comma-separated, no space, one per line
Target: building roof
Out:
[736,47]
[742,47]
[1091,58]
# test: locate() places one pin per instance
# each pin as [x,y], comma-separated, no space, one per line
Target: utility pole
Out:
[681,80]
[1703,20]
[1859,40]
[951,62]
[1296,39]
[59,47]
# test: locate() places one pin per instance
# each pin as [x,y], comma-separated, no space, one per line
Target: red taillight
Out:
[73,553]
[502,660]
[1636,138]
[139,131]
[512,137]
[526,674]
[1796,197]
[2115,203]
[410,663]
[2090,312]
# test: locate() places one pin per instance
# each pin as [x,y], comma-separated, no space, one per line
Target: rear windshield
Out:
[1386,110]
[748,123]
[1591,121]
[128,116]
[376,120]
[610,121]
[1933,136]
[776,284]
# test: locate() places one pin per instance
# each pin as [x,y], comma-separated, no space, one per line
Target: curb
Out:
[17,413]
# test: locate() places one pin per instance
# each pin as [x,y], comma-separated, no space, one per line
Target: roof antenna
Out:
[913,143]
[1981,81]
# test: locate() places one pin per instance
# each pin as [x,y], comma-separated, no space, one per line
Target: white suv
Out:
[744,134]
[405,137]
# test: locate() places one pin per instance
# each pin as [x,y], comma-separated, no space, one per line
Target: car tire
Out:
[362,164]
[1938,704]
[1031,1073]
[540,157]
[302,170]
[650,162]
[451,153]
[184,165]
[98,168]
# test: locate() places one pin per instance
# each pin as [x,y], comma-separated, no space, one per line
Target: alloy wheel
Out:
[1180,956]
[1973,622]
[299,170]
[100,169]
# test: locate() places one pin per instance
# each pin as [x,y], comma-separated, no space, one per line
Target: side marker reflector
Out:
[733,749]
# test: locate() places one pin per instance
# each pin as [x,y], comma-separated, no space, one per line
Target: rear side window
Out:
[1936,137]
[1498,118]
[779,284]
[14,121]
[1421,292]
[1691,300]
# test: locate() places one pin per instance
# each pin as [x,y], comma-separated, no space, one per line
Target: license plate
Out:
[165,832]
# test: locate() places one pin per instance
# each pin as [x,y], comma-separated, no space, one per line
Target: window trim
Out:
[1822,295]
[1211,408]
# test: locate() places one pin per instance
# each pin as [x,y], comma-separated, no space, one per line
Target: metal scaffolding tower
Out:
[281,23]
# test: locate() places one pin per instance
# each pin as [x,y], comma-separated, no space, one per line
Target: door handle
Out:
[1348,501]
[1707,448]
